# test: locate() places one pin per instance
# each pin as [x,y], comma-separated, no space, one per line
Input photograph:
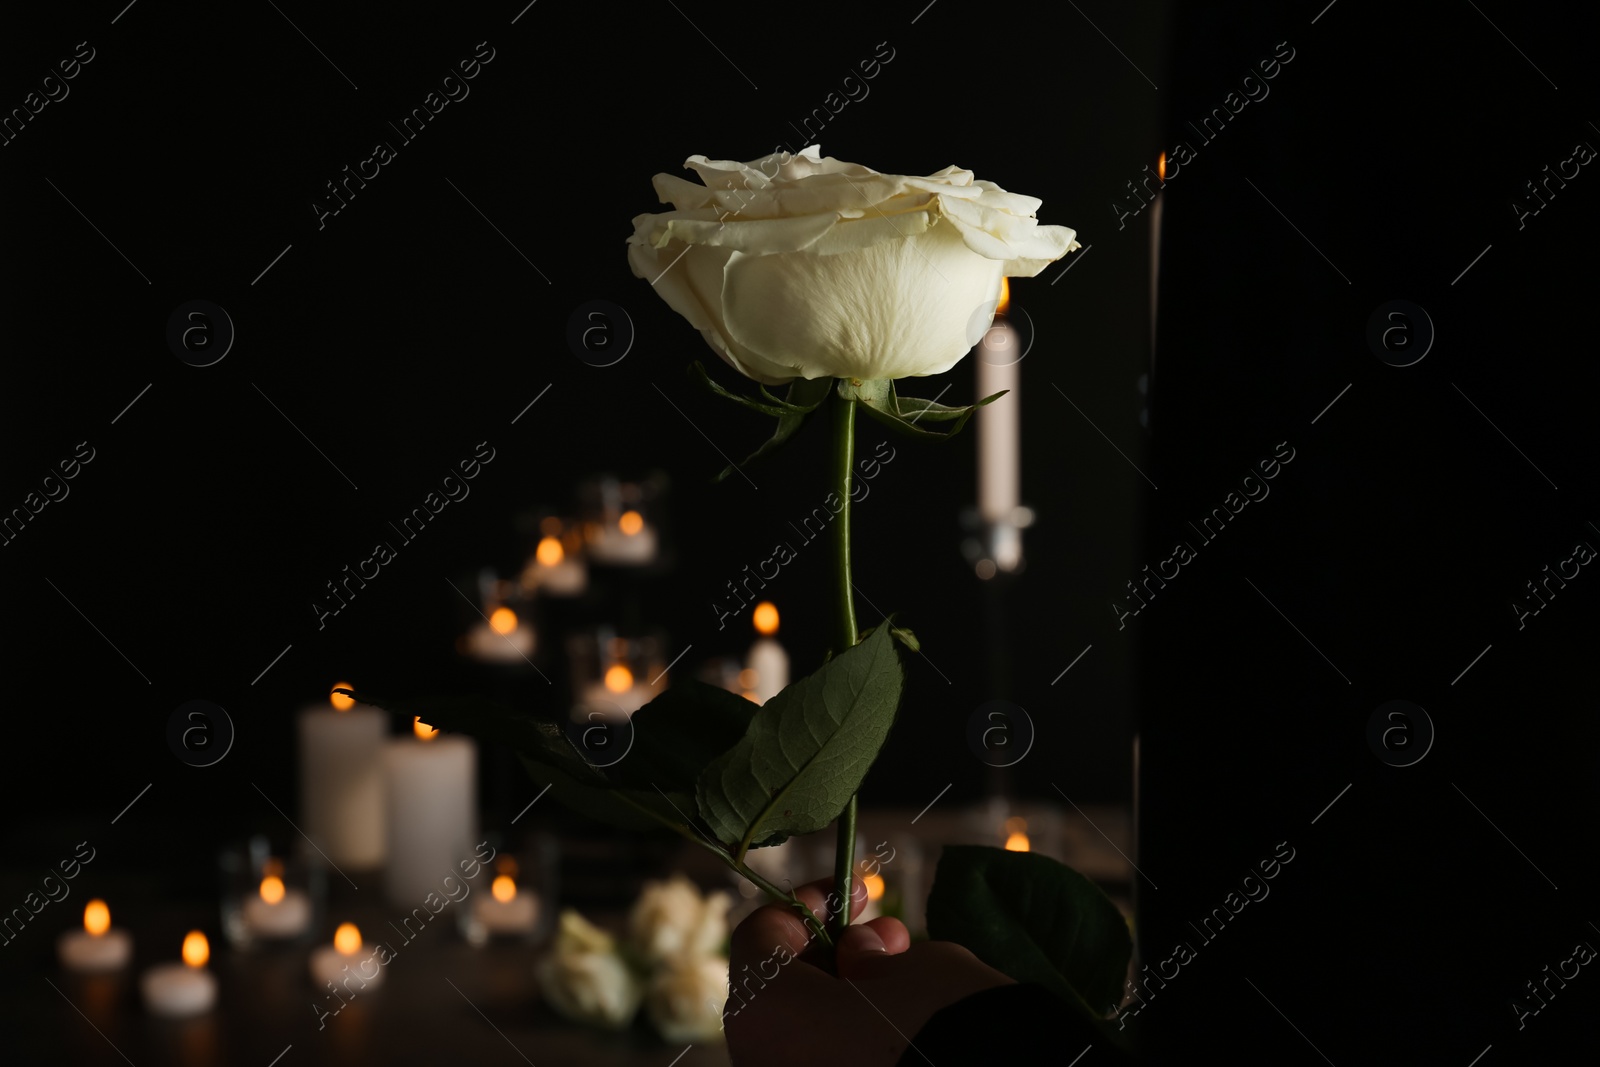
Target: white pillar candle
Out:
[178,990]
[341,781]
[508,908]
[767,660]
[97,947]
[348,959]
[432,811]
[1000,438]
[275,910]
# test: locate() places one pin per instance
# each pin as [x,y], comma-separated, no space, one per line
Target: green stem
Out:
[806,914]
[844,457]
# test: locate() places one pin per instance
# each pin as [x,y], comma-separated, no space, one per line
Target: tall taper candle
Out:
[432,811]
[341,780]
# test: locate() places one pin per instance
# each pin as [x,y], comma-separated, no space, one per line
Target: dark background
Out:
[408,329]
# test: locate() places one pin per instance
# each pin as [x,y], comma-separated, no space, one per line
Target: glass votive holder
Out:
[621,521]
[556,565]
[614,675]
[268,895]
[515,897]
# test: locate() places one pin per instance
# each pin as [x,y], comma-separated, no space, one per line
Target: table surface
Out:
[442,1000]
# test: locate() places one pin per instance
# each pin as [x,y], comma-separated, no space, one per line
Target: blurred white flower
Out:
[671,919]
[584,977]
[686,998]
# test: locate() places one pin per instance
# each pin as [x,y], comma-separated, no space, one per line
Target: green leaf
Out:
[804,398]
[679,733]
[697,371]
[806,750]
[1033,918]
[881,400]
[899,633]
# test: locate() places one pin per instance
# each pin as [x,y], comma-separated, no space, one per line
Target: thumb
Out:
[858,950]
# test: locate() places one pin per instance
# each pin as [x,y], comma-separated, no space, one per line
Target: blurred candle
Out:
[347,958]
[431,811]
[767,659]
[630,541]
[277,910]
[1155,252]
[97,947]
[508,908]
[1016,830]
[341,780]
[503,638]
[554,571]
[177,990]
[1000,434]
[617,688]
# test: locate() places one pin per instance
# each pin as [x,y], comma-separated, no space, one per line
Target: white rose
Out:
[807,266]
[686,998]
[672,919]
[584,977]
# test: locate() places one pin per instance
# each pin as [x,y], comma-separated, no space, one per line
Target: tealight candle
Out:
[630,542]
[333,963]
[178,990]
[617,689]
[97,947]
[508,909]
[503,638]
[553,572]
[277,910]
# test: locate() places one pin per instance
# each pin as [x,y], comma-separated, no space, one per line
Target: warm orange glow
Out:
[750,695]
[766,618]
[506,865]
[1016,825]
[1005,297]
[422,729]
[503,889]
[272,866]
[549,552]
[196,949]
[1017,842]
[1161,167]
[347,939]
[272,889]
[502,621]
[747,678]
[550,526]
[339,701]
[630,523]
[874,884]
[619,679]
[96,917]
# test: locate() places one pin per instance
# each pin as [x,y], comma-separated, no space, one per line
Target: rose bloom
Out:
[584,978]
[671,919]
[686,998]
[804,266]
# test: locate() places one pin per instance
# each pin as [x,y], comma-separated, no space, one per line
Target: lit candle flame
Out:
[504,889]
[196,949]
[1016,834]
[750,695]
[339,701]
[619,679]
[272,889]
[1161,167]
[96,917]
[766,618]
[549,552]
[347,939]
[874,884]
[502,621]
[1005,297]
[630,523]
[422,729]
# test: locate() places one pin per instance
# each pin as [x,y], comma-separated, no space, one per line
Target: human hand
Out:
[785,1009]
